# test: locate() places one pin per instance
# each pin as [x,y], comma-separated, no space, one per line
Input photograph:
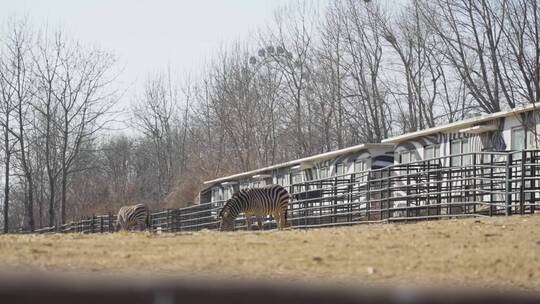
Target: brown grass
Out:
[490,252]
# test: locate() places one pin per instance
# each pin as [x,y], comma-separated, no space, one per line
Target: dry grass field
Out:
[488,252]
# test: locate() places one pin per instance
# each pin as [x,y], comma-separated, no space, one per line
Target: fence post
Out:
[407,192]
[334,209]
[508,184]
[388,195]
[179,219]
[383,196]
[439,186]
[173,220]
[450,201]
[168,220]
[320,185]
[176,219]
[368,193]
[534,182]
[109,222]
[92,225]
[352,180]
[491,186]
[150,222]
[474,186]
[522,188]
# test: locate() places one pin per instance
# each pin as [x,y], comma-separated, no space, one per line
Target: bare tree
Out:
[330,77]
[7,92]
[85,98]
[47,60]
[17,74]
[364,59]
[235,104]
[206,139]
[293,40]
[117,157]
[520,49]
[155,116]
[470,39]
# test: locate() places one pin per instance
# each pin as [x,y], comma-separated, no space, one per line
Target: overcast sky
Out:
[147,35]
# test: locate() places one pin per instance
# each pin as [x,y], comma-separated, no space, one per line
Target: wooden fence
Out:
[469,184]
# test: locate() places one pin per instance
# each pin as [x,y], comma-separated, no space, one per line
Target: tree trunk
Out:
[63,201]
[52,190]
[30,205]
[64,173]
[50,174]
[6,177]
[27,174]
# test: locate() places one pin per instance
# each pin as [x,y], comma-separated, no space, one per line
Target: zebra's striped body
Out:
[271,200]
[133,216]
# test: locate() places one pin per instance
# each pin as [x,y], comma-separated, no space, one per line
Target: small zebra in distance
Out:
[133,216]
[270,200]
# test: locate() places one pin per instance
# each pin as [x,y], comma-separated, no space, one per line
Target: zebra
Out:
[270,200]
[130,216]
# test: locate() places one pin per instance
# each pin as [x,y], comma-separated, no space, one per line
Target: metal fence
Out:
[469,184]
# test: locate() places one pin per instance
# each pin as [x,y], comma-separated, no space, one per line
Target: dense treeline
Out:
[316,79]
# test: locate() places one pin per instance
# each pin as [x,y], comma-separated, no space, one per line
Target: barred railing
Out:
[469,184]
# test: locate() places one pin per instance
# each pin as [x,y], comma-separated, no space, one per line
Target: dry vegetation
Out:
[490,252]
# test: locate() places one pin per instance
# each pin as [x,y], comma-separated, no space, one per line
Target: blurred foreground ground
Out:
[488,252]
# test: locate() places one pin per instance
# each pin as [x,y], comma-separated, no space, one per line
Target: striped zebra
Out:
[133,216]
[271,200]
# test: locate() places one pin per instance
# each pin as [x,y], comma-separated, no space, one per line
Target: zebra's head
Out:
[227,219]
[117,226]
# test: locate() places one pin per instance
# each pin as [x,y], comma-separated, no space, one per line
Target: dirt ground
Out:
[488,252]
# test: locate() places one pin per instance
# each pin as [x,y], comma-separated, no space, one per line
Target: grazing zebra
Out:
[133,216]
[270,200]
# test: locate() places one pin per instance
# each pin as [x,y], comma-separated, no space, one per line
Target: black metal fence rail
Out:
[469,184]
[93,224]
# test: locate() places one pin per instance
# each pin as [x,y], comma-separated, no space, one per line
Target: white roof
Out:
[302,161]
[459,124]
[478,129]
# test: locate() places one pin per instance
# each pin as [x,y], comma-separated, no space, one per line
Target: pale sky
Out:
[147,35]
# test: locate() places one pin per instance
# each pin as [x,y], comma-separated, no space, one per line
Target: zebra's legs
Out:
[277,217]
[285,214]
[281,219]
[259,222]
[248,221]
